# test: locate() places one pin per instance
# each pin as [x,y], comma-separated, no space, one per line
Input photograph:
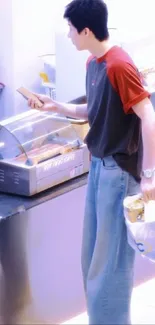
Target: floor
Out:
[142,307]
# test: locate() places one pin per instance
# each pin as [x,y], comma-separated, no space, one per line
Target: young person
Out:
[122,145]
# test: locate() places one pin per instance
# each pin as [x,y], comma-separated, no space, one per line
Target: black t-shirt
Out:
[113,86]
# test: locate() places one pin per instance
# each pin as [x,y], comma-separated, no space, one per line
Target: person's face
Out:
[79,40]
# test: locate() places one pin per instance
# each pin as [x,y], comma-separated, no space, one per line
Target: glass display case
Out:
[39,150]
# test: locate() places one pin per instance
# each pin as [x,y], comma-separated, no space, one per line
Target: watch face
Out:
[148,173]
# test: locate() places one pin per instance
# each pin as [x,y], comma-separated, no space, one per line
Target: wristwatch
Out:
[148,173]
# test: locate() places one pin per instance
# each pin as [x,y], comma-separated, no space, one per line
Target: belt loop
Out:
[103,162]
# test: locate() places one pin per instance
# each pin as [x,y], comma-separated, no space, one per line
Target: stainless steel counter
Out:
[12,204]
[39,238]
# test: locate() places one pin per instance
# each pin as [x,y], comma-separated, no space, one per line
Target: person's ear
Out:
[87,31]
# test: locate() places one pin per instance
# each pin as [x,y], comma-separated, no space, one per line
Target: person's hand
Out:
[47,103]
[148,188]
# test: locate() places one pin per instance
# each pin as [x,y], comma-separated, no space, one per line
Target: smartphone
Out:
[29,95]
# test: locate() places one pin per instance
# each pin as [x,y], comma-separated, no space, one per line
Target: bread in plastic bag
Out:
[140,222]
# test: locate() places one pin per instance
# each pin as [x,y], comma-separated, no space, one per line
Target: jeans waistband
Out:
[106,161]
[93,158]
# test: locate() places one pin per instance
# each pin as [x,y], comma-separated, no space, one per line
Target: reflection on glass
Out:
[36,137]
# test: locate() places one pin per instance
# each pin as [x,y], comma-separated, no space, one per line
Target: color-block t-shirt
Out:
[113,86]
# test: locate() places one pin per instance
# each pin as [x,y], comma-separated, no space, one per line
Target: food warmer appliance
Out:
[39,150]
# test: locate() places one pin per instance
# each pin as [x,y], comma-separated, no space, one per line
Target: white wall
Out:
[34,24]
[6,55]
[26,31]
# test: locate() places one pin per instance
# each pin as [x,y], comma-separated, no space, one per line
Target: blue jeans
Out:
[107,259]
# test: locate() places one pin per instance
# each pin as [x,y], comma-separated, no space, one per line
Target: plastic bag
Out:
[140,222]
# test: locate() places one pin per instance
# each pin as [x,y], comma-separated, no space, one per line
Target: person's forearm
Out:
[145,111]
[148,135]
[72,110]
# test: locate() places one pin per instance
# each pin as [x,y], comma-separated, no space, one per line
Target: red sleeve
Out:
[125,78]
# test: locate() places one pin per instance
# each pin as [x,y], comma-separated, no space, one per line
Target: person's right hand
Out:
[47,103]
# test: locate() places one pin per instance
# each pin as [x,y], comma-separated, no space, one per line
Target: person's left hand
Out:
[148,188]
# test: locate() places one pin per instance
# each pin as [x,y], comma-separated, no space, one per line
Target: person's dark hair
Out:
[92,14]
